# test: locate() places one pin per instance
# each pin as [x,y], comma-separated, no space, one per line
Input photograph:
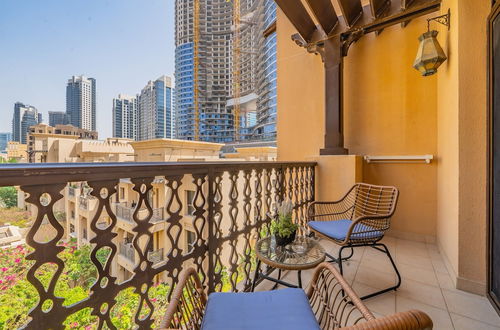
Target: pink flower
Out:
[18,260]
[4,269]
[153,300]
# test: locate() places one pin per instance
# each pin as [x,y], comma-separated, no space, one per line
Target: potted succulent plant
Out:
[282,227]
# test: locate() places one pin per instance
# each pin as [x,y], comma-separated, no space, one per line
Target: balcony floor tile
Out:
[426,285]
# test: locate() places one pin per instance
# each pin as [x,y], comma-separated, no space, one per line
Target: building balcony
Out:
[231,202]
[127,250]
[125,212]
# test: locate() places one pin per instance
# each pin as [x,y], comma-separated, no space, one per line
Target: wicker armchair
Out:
[360,218]
[333,302]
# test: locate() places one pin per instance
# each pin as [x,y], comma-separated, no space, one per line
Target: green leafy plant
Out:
[283,226]
[8,197]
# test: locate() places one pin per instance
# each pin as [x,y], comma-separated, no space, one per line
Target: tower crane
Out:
[196,65]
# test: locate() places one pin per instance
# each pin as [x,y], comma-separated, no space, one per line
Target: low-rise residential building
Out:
[81,204]
[17,151]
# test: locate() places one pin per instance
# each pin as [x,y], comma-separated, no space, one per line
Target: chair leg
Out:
[336,260]
[395,287]
[339,260]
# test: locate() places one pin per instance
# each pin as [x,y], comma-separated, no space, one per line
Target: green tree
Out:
[8,197]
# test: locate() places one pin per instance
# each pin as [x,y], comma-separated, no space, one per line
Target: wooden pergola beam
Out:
[339,36]
[352,10]
[298,16]
[325,14]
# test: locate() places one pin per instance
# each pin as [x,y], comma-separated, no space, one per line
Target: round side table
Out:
[303,253]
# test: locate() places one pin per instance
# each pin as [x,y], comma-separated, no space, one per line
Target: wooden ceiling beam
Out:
[325,14]
[420,8]
[299,17]
[352,10]
[378,7]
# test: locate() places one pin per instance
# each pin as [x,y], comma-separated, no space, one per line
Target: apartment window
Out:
[190,240]
[190,202]
[122,193]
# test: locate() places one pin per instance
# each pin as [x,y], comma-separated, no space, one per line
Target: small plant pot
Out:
[282,241]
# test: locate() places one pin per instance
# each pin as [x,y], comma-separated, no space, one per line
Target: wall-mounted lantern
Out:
[430,55]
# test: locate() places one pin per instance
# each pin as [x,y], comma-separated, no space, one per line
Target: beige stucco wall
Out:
[391,110]
[399,119]
[462,138]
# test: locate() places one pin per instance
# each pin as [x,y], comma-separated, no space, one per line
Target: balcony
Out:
[156,256]
[125,212]
[233,202]
[127,250]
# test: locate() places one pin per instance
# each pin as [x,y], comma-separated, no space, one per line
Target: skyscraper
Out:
[24,117]
[81,102]
[58,118]
[156,118]
[125,124]
[204,65]
[4,139]
[266,85]
[213,73]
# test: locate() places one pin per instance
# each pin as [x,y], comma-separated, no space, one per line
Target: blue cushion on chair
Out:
[337,229]
[266,310]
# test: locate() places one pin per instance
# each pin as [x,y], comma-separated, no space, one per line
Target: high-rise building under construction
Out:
[223,59]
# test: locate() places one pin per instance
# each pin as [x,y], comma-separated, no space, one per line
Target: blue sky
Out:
[121,43]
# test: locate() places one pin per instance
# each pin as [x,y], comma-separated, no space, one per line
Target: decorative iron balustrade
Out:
[233,204]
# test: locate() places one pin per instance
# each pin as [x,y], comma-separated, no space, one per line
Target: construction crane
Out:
[236,68]
[196,65]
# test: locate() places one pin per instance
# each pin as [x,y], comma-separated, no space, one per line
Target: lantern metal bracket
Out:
[443,19]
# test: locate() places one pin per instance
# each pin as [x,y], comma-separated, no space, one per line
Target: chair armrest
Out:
[333,301]
[409,320]
[371,224]
[187,303]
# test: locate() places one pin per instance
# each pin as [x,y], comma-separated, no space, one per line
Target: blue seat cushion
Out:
[266,310]
[337,229]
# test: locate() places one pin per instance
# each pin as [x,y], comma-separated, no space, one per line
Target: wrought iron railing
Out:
[234,202]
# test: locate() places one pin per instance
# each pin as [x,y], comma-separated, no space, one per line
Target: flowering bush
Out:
[18,296]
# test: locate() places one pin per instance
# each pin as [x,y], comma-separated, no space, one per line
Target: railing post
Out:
[210,223]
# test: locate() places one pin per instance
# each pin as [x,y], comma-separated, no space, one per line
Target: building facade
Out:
[125,123]
[17,151]
[24,117]
[156,118]
[81,102]
[265,128]
[43,138]
[212,76]
[58,118]
[5,137]
[213,81]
